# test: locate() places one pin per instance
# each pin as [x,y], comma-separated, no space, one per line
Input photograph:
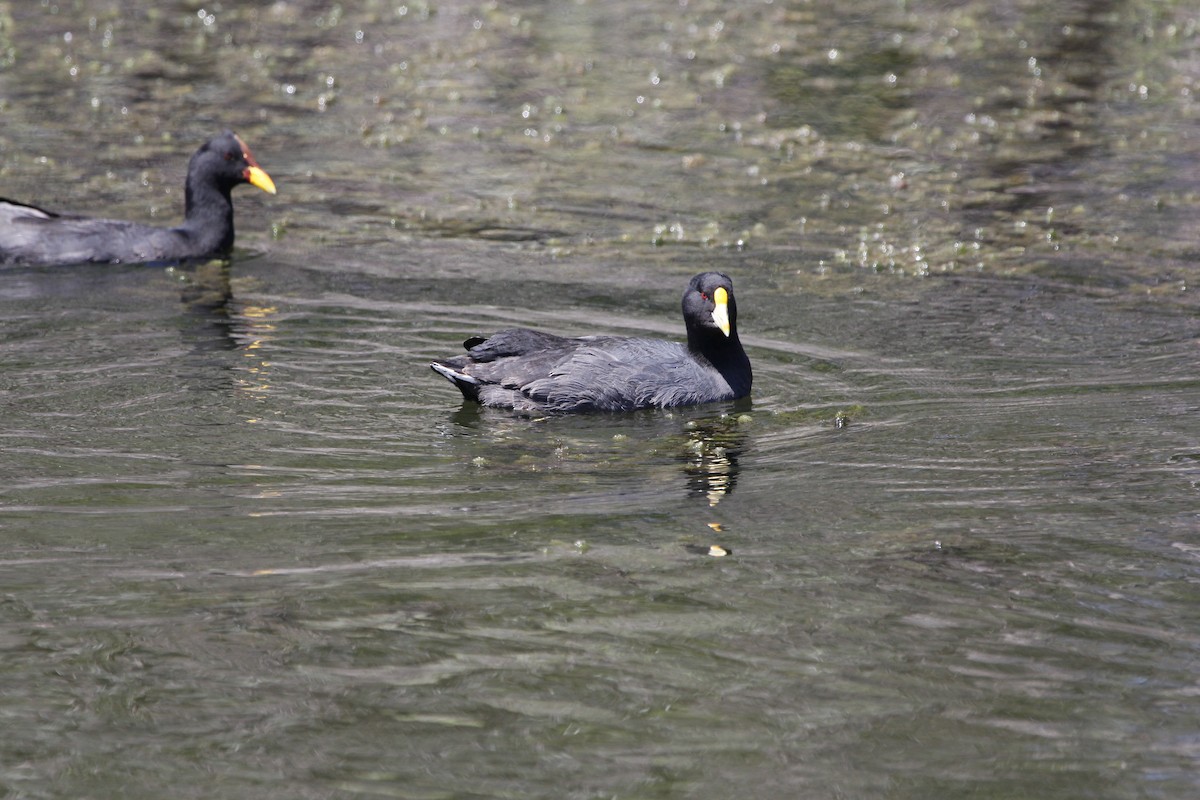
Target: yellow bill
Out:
[260,178]
[720,314]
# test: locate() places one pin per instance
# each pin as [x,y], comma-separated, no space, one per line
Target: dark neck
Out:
[726,355]
[208,216]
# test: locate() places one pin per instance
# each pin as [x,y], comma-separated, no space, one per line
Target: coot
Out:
[532,371]
[30,235]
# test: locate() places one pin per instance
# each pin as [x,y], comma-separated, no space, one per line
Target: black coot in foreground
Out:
[531,371]
[30,235]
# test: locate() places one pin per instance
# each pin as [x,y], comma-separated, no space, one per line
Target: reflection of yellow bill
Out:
[714,550]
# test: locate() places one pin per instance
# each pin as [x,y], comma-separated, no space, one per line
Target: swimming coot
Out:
[30,235]
[532,371]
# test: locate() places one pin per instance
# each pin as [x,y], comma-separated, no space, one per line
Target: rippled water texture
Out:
[253,547]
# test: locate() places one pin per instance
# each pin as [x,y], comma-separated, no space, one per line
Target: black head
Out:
[709,309]
[226,161]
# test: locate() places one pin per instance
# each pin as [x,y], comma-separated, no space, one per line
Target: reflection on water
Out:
[204,287]
[252,328]
[711,456]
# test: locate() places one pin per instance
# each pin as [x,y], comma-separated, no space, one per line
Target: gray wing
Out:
[30,235]
[619,374]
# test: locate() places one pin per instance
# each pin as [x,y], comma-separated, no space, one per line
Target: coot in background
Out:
[33,236]
[532,371]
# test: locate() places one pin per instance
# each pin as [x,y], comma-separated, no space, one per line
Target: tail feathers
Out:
[466,384]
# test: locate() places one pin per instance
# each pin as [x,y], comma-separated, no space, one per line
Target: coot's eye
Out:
[704,295]
[230,155]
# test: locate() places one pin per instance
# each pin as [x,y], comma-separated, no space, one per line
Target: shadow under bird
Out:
[532,371]
[34,236]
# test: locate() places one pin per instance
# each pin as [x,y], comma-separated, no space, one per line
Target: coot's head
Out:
[227,161]
[709,307]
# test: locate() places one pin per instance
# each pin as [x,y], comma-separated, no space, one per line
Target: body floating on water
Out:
[528,370]
[33,236]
